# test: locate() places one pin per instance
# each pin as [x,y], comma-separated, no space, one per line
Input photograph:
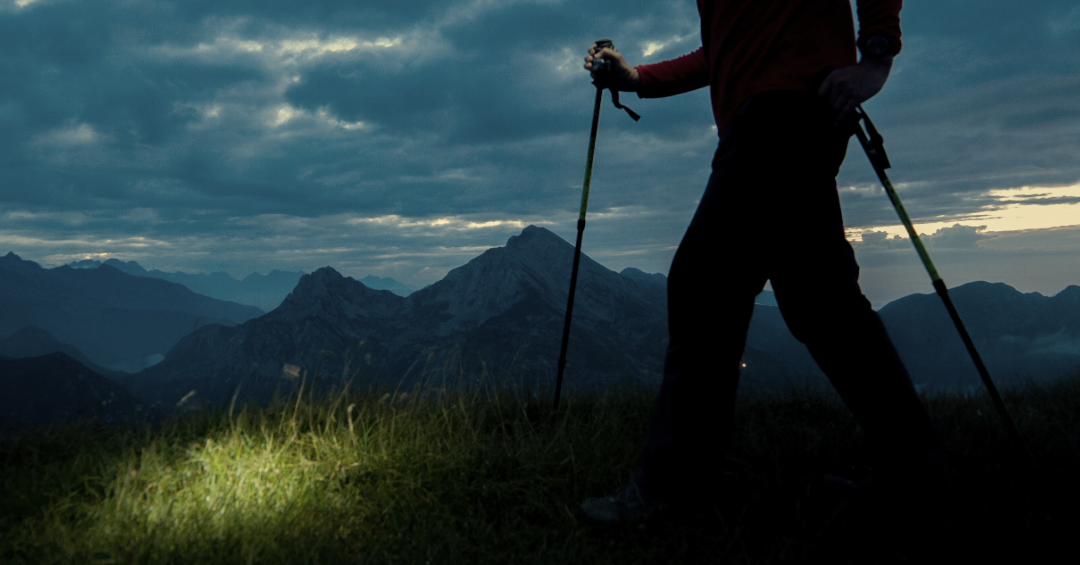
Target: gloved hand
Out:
[627,78]
[844,89]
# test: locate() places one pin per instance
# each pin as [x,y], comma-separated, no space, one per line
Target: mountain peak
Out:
[317,283]
[129,267]
[534,236]
[13,261]
[326,273]
[31,330]
[534,270]
[1070,292]
[29,341]
[327,293]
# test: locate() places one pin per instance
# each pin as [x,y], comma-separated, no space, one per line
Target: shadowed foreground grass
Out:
[492,478]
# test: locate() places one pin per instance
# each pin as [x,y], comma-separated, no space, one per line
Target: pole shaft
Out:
[915,239]
[577,247]
[589,161]
[939,285]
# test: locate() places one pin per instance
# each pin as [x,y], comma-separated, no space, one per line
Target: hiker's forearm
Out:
[674,76]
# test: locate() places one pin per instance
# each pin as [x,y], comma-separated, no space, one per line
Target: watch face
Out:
[877,45]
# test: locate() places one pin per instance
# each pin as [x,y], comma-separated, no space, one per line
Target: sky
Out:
[401,139]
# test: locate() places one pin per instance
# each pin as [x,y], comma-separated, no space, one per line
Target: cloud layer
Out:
[400,138]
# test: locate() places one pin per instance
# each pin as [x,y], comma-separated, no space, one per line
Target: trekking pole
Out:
[873,144]
[601,79]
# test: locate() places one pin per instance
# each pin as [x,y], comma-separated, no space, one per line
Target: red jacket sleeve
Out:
[674,76]
[880,17]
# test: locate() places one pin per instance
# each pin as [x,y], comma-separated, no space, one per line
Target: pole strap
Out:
[602,84]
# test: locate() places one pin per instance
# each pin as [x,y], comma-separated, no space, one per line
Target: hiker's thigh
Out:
[817,289]
[813,268]
[810,263]
[718,267]
[714,277]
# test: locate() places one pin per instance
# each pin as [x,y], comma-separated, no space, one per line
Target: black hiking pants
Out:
[770,212]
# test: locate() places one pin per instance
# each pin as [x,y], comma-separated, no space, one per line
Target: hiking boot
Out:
[631,505]
[634,504]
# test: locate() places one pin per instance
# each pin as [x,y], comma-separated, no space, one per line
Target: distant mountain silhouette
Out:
[56,388]
[32,341]
[117,320]
[262,291]
[500,316]
[1019,335]
[1021,338]
[656,281]
[319,327]
[386,283]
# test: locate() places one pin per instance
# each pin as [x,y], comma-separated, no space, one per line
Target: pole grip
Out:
[605,78]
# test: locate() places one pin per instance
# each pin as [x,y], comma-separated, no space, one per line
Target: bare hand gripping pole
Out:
[601,79]
[873,144]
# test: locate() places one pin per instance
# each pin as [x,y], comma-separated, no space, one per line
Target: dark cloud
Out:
[511,29]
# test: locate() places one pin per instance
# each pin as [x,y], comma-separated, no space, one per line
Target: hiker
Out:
[784,83]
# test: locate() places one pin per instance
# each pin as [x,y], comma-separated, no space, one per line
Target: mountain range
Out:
[1020,336]
[119,321]
[499,316]
[32,341]
[262,291]
[499,319]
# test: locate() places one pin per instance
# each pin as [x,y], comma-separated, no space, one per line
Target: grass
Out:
[493,477]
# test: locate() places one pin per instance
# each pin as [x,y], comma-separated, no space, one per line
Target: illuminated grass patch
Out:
[489,477]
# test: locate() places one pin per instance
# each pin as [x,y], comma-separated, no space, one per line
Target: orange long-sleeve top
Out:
[752,46]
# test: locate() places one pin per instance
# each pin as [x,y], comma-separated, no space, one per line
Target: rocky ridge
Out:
[501,313]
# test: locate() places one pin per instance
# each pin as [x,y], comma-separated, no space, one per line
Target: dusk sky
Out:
[402,138]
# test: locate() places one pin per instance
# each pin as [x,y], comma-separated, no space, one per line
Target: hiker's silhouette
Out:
[770,212]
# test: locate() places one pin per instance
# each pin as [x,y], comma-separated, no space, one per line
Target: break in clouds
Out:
[403,138]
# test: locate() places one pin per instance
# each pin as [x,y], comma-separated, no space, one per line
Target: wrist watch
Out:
[877,46]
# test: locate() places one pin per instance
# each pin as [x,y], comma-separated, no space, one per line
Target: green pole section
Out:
[592,151]
[934,276]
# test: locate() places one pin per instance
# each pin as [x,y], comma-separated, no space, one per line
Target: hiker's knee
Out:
[827,317]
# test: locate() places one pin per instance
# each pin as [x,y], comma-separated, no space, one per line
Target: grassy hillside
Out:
[494,478]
